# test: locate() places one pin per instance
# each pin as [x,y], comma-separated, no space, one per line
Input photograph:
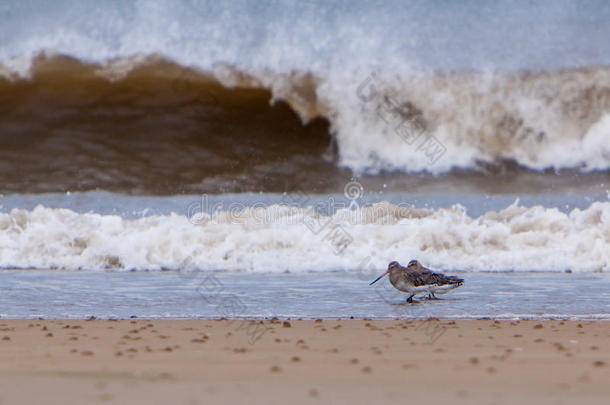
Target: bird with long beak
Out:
[415,279]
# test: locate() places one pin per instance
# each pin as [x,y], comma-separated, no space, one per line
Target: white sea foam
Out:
[429,122]
[279,238]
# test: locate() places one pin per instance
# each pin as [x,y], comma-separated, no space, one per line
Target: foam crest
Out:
[279,238]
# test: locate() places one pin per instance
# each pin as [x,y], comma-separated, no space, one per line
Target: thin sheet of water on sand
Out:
[57,294]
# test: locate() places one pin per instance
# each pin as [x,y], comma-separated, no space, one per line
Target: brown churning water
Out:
[162,129]
[150,126]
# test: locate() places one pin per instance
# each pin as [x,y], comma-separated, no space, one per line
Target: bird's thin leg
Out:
[432,296]
[410,299]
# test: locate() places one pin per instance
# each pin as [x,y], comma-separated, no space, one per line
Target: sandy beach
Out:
[303,361]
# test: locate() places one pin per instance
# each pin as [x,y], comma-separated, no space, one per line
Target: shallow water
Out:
[114,124]
[53,294]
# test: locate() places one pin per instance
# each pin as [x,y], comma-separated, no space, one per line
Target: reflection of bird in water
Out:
[415,279]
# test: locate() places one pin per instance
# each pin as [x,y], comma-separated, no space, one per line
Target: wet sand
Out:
[279,361]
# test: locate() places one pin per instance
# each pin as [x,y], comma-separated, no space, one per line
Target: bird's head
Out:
[393,266]
[413,265]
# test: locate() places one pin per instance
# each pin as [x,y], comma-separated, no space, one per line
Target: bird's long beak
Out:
[379,278]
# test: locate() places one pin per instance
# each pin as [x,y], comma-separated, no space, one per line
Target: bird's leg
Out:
[410,299]
[431,296]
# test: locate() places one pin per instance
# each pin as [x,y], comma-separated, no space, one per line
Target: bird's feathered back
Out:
[420,275]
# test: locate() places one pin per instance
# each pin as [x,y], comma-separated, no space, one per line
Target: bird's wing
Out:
[455,279]
[426,277]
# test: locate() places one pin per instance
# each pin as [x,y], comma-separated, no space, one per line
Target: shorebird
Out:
[415,279]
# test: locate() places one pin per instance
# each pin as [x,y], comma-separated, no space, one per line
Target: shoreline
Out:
[274,361]
[265,319]
[203,295]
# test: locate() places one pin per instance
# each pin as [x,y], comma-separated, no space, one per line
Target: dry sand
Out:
[338,361]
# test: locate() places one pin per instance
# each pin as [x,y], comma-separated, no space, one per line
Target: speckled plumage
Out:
[416,278]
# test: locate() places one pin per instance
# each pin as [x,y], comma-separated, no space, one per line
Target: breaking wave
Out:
[150,125]
[165,97]
[281,238]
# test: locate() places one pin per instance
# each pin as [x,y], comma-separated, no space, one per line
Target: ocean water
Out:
[278,143]
[168,97]
[79,295]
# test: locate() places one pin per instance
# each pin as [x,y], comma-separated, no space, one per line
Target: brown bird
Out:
[415,279]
